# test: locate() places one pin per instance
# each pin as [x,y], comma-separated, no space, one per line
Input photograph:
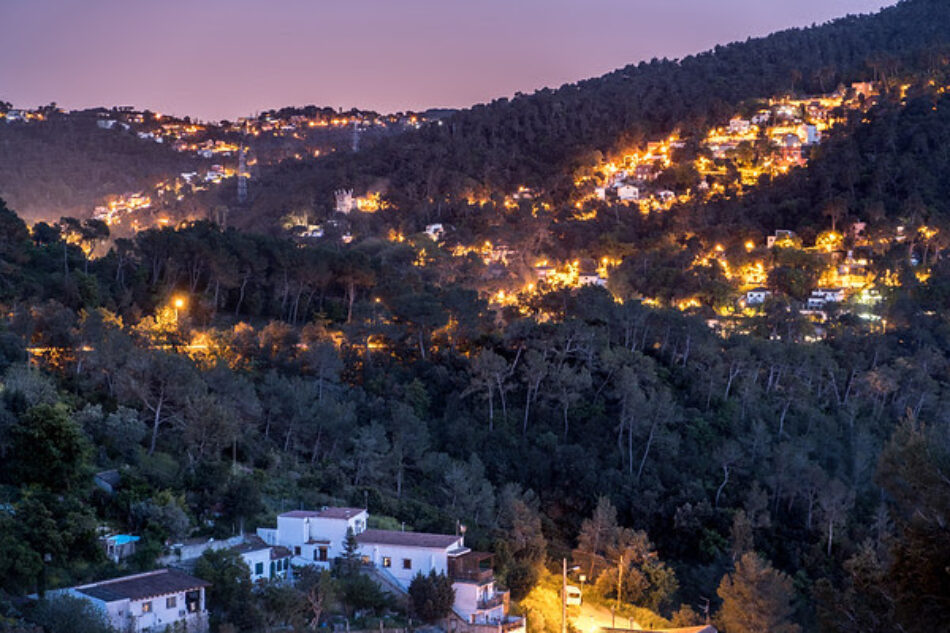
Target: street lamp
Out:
[179,304]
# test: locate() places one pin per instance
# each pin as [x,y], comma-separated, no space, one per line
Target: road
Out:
[590,618]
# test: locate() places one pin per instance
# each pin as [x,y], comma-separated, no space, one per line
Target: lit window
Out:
[171,602]
[146,607]
[407,563]
[387,561]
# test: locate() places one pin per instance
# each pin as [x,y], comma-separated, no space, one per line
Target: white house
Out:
[395,557]
[153,601]
[626,193]
[600,193]
[265,562]
[399,556]
[315,536]
[823,296]
[780,236]
[739,126]
[590,278]
[757,296]
[435,231]
[344,201]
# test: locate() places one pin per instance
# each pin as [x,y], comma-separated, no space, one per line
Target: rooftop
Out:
[139,586]
[251,543]
[324,513]
[408,539]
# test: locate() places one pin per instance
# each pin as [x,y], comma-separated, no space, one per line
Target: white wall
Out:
[294,532]
[467,596]
[423,560]
[258,558]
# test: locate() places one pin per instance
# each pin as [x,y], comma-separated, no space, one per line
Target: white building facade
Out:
[153,601]
[396,557]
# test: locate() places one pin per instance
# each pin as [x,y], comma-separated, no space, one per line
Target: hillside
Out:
[538,139]
[66,165]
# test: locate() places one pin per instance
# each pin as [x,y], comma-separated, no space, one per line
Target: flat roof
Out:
[408,539]
[139,586]
[324,513]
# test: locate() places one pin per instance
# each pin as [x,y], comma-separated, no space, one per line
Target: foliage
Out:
[756,598]
[431,597]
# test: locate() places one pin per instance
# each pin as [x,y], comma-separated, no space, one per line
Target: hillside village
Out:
[318,539]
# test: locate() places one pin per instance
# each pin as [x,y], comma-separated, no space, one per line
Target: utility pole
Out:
[619,580]
[242,167]
[564,595]
[705,607]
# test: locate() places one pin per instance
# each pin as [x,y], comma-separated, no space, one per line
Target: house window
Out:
[146,607]
[258,569]
[407,563]
[322,553]
[296,550]
[192,601]
[387,561]
[171,602]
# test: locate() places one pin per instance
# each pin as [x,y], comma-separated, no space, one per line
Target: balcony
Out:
[471,567]
[480,576]
[495,600]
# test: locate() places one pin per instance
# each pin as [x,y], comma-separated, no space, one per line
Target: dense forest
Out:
[406,391]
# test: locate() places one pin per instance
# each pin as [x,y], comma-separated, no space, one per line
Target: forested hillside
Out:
[787,463]
[402,388]
[66,165]
[537,139]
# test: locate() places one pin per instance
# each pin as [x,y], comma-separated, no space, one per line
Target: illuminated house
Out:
[739,126]
[757,296]
[822,296]
[628,193]
[393,558]
[792,149]
[782,238]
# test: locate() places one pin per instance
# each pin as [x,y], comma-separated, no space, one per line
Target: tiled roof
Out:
[156,583]
[409,539]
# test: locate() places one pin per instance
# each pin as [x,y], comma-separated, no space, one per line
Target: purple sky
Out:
[225,58]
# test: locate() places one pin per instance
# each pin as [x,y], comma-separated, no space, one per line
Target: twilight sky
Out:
[225,58]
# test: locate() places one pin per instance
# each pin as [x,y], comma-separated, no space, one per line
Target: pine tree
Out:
[351,559]
[756,598]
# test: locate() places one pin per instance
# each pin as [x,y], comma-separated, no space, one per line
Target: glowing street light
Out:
[179,303]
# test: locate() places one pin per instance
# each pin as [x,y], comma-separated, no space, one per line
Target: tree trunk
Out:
[156,422]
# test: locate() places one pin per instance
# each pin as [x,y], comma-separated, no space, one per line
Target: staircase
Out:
[391,585]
